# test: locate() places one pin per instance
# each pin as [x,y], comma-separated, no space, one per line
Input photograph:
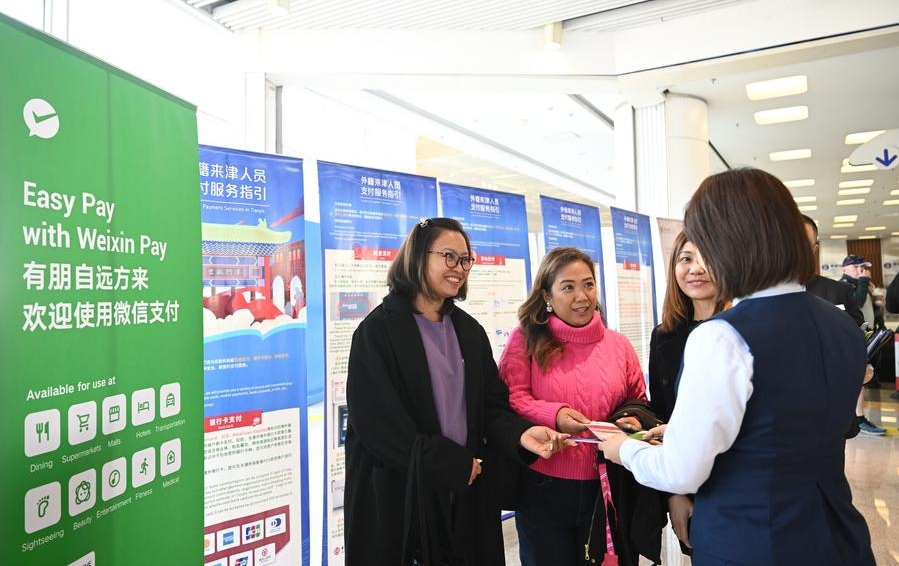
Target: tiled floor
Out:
[872,466]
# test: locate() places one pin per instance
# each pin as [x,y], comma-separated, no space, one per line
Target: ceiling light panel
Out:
[856,183]
[846,218]
[850,201]
[859,191]
[808,208]
[781,115]
[875,228]
[805,199]
[861,137]
[790,155]
[775,88]
[839,237]
[844,225]
[797,183]
[890,202]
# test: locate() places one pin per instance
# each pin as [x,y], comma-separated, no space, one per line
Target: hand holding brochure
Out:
[603,430]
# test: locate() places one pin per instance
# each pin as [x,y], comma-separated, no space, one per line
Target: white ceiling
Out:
[853,92]
[239,15]
[851,70]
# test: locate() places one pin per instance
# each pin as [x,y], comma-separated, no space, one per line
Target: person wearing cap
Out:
[857,274]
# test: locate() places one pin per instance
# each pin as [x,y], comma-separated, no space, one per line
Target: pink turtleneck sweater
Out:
[597,371]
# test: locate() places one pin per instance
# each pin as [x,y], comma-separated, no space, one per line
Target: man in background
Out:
[840,293]
[857,273]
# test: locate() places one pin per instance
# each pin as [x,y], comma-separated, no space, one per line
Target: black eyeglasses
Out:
[453,259]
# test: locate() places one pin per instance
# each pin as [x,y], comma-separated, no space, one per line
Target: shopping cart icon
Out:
[83,421]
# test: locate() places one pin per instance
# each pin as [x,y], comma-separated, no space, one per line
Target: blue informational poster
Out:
[636,284]
[253,278]
[365,216]
[369,208]
[496,222]
[572,224]
[254,326]
[498,284]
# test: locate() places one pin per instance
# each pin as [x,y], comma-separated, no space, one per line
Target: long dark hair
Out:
[532,315]
[677,308]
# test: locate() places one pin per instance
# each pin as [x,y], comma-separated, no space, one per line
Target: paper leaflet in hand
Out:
[603,430]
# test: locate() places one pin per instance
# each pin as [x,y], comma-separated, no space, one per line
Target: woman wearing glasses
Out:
[564,368]
[425,403]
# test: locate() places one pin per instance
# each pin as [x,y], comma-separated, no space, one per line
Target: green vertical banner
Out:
[100,317]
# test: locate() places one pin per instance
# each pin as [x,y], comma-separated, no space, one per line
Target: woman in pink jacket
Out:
[564,368]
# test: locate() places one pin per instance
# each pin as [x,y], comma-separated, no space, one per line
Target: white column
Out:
[650,150]
[56,18]
[671,153]
[687,124]
[625,158]
[256,110]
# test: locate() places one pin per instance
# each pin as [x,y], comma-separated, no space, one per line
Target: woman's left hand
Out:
[611,446]
[680,509]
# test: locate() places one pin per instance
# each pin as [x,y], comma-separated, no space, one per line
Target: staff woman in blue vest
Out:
[765,392]
[427,414]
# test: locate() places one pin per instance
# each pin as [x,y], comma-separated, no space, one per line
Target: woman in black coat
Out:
[429,418]
[690,298]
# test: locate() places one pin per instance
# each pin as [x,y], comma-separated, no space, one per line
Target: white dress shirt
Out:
[715,386]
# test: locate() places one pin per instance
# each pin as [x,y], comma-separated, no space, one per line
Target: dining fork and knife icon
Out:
[42,428]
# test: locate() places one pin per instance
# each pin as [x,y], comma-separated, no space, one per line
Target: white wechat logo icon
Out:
[41,118]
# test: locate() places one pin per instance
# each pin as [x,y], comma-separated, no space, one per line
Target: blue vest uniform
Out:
[779,495]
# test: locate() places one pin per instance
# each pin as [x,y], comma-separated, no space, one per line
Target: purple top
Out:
[447,370]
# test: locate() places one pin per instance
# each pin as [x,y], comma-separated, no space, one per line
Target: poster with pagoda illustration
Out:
[254,326]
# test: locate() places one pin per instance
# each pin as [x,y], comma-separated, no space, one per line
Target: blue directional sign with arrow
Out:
[882,151]
[888,159]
